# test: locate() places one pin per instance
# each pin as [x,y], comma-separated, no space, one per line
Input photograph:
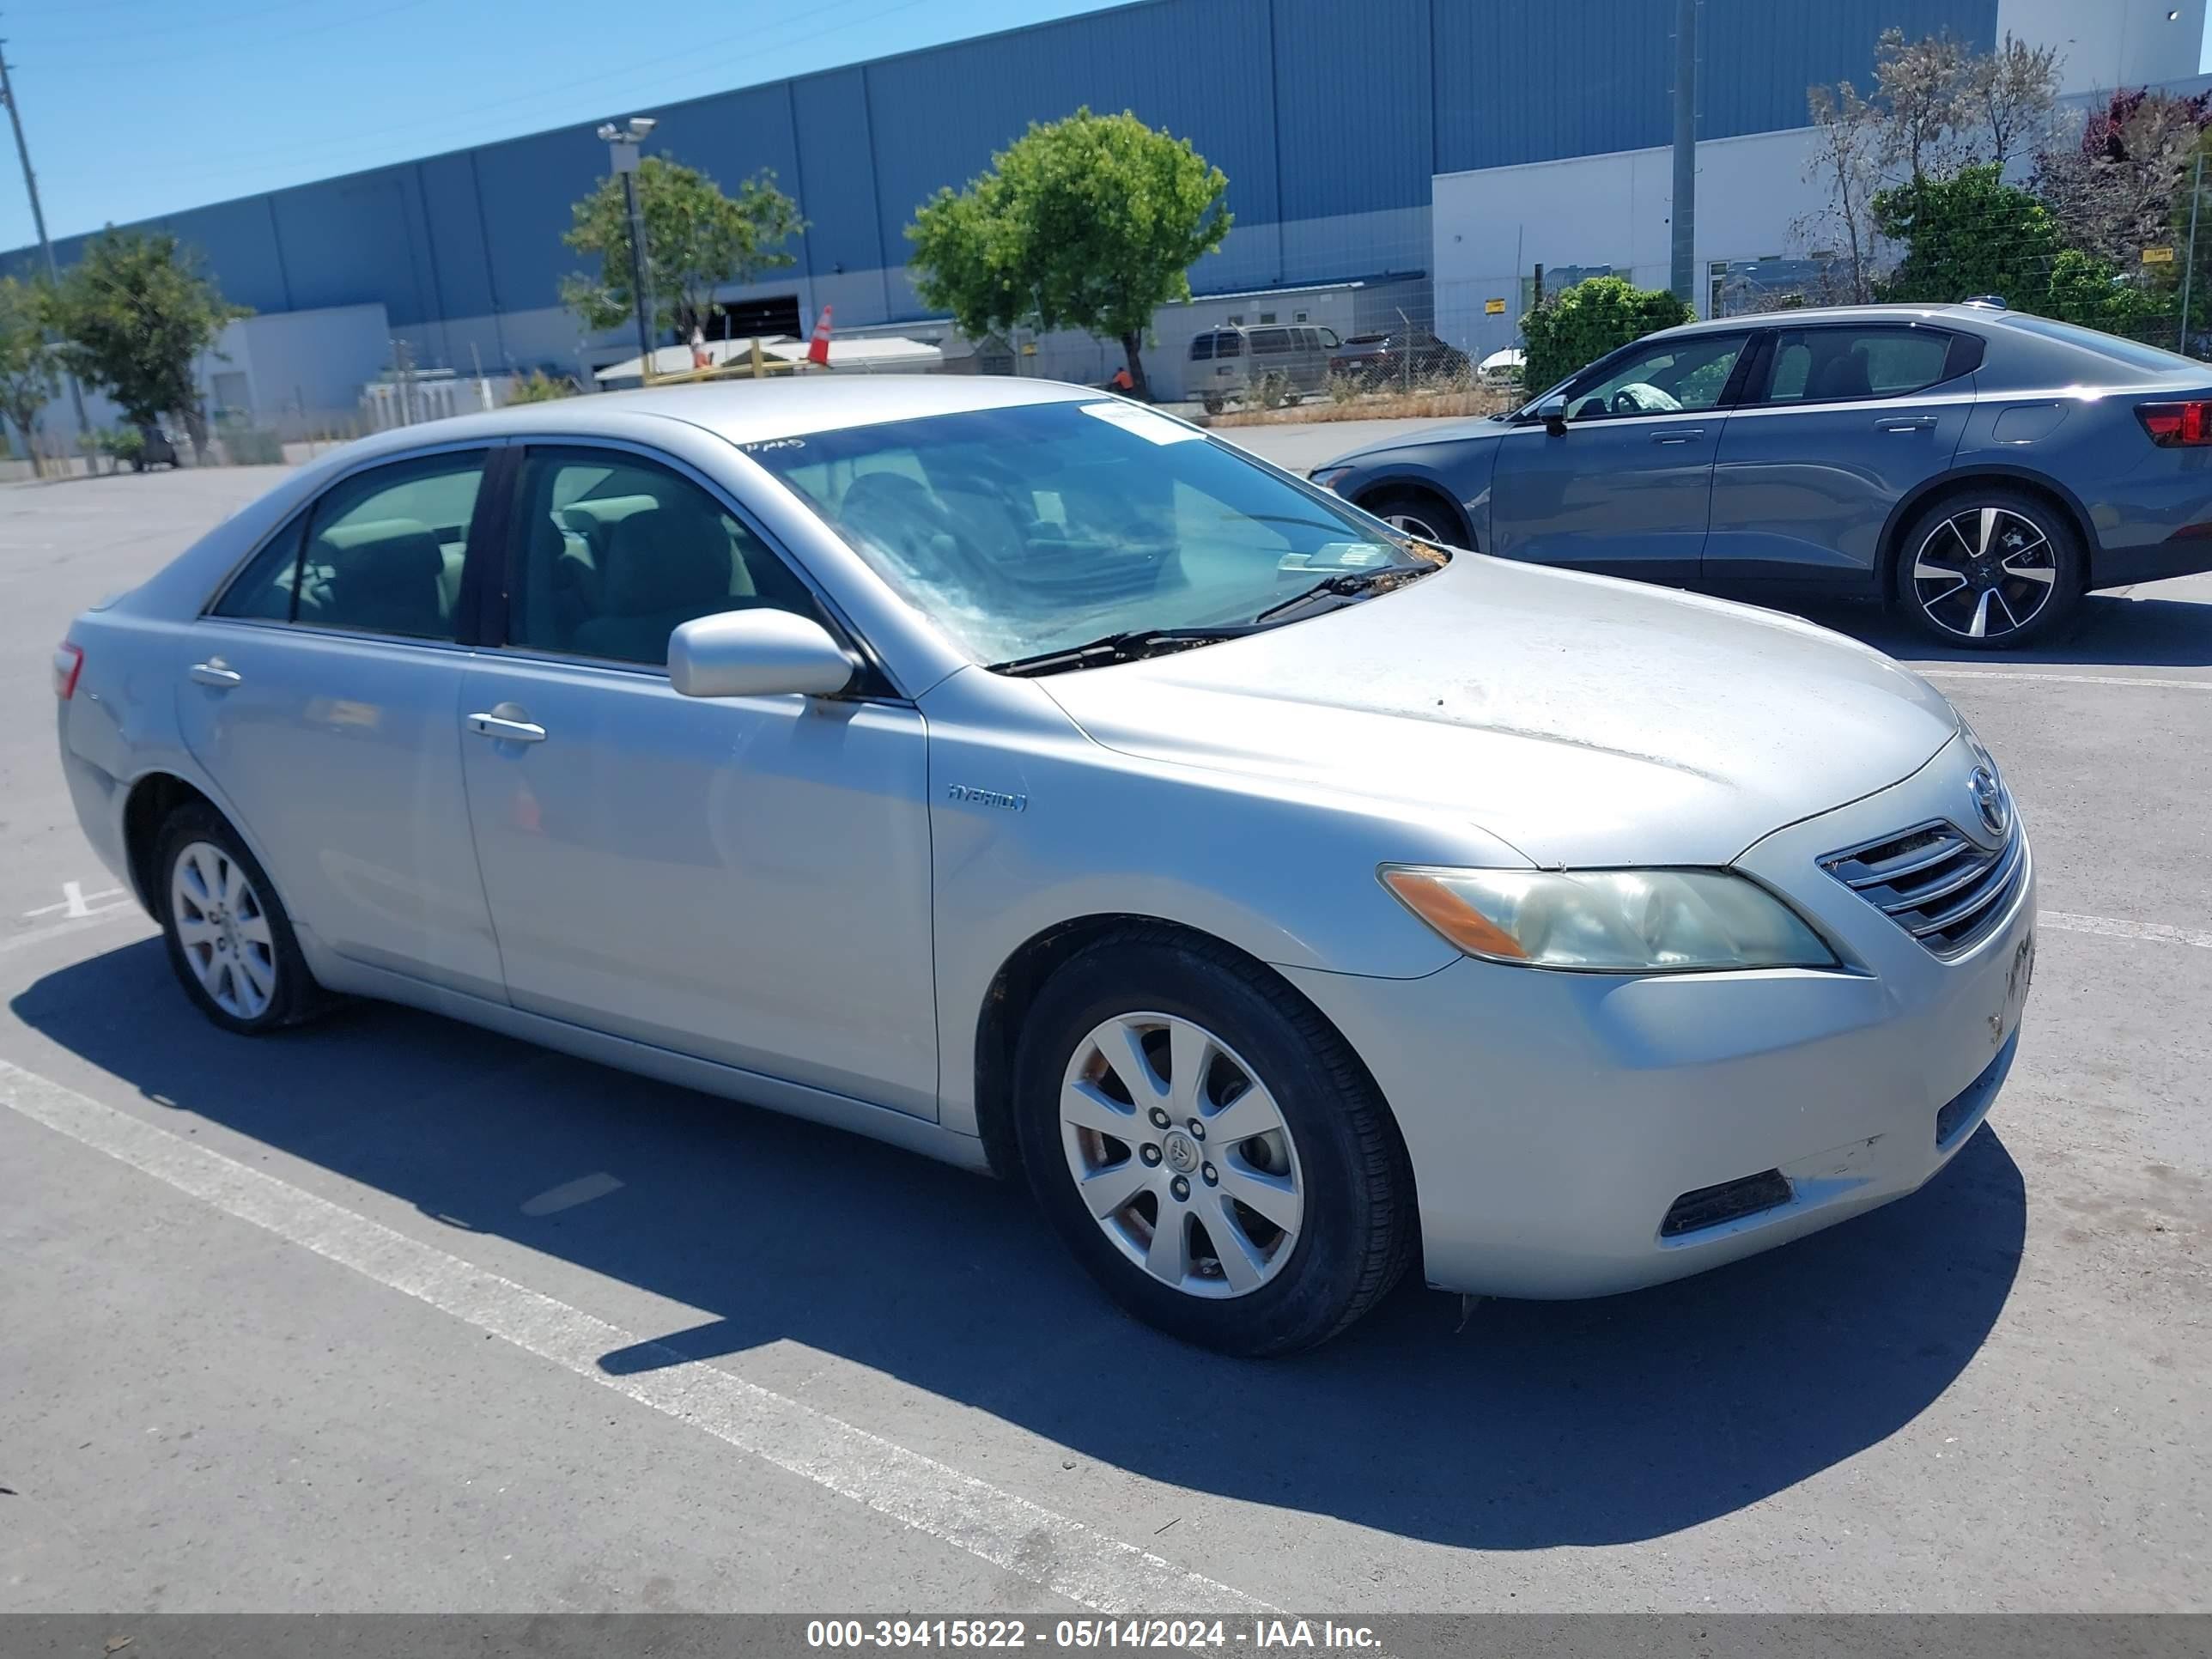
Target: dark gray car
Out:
[1981,467]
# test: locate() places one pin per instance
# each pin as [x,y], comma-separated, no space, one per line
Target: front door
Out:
[743,879]
[1843,421]
[322,693]
[1625,487]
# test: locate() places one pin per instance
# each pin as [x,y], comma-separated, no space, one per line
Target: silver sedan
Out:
[1026,778]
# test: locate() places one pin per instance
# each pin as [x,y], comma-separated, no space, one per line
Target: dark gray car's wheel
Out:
[1990,570]
[229,940]
[1208,1146]
[1421,513]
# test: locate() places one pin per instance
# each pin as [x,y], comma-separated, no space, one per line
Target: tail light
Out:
[2175,426]
[69,663]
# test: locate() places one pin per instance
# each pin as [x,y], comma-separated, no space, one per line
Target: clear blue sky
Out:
[139,107]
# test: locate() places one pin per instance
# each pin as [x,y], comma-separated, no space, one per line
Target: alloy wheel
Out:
[1413,524]
[1985,574]
[1181,1154]
[223,929]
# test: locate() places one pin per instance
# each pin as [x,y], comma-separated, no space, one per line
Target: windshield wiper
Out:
[1345,585]
[1129,646]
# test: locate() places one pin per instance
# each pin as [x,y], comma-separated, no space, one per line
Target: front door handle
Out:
[505,730]
[214,672]
[1679,435]
[1907,423]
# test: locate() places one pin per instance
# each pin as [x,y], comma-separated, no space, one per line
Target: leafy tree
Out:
[696,240]
[1575,328]
[26,360]
[1090,222]
[1972,234]
[2117,189]
[133,313]
[2084,289]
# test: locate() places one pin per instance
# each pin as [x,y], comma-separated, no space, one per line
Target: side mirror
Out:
[756,653]
[1552,412]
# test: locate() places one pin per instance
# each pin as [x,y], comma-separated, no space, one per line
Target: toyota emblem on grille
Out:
[1990,800]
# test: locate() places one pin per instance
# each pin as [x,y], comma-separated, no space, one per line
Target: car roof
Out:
[1871,313]
[746,412]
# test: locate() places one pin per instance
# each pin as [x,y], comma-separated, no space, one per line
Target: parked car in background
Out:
[1229,363]
[1978,467]
[1408,356]
[1026,778]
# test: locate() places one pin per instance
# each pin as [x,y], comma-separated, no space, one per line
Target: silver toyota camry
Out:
[1029,779]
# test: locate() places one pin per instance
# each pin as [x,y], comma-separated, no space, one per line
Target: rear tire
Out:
[230,942]
[1151,1020]
[1421,513]
[1989,568]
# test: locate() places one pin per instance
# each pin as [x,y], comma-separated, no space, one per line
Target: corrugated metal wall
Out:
[1329,116]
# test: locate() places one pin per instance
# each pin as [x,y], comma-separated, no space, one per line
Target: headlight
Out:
[1610,921]
[1326,477]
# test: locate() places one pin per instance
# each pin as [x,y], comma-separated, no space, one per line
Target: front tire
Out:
[1208,1146]
[1421,513]
[230,942]
[1990,570]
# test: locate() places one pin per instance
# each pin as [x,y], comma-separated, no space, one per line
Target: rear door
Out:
[1625,488]
[322,693]
[1840,422]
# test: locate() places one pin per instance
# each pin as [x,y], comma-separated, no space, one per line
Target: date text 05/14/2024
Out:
[1255,1635]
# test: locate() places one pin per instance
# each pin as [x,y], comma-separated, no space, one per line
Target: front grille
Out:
[1732,1200]
[1946,891]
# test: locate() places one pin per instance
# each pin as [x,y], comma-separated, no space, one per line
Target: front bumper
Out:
[1553,1120]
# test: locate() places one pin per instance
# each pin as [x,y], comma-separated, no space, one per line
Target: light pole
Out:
[37,217]
[623,143]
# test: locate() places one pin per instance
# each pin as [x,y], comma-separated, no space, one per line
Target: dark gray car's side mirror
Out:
[1552,412]
[756,653]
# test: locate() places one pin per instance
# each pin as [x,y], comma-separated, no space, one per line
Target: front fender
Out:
[1459,472]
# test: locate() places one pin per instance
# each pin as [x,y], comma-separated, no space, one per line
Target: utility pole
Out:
[38,215]
[2189,257]
[1685,214]
[623,143]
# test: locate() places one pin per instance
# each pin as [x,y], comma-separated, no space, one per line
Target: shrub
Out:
[1574,328]
[541,388]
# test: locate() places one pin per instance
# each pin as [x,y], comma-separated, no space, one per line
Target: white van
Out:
[1226,362]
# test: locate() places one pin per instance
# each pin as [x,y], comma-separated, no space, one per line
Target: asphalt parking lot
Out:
[393,1315]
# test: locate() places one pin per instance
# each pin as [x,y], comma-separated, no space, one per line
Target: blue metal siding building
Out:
[1329,116]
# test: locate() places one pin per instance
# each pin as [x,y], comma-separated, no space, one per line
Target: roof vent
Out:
[1986,301]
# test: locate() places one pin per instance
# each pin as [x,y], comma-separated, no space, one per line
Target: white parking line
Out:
[2114,928]
[1035,1543]
[75,901]
[1927,673]
[57,929]
[569,1194]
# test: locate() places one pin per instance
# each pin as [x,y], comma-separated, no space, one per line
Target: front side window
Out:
[1688,373]
[1831,365]
[617,550]
[380,552]
[1033,529]
[1201,348]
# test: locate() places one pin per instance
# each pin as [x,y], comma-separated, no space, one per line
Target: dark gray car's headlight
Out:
[1610,921]
[1326,477]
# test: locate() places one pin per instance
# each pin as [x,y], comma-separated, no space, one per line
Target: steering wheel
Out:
[1624,402]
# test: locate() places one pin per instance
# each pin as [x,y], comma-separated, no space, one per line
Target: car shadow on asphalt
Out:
[2110,632]
[1537,1424]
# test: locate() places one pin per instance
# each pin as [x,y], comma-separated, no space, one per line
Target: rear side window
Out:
[380,552]
[1834,365]
[1269,341]
[1201,348]
[1229,345]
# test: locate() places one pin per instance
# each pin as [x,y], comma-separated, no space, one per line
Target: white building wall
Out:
[2107,44]
[1493,225]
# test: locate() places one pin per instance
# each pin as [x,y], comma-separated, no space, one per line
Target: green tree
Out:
[133,313]
[26,360]
[1969,233]
[1574,328]
[696,240]
[1090,222]
[2084,289]
[540,387]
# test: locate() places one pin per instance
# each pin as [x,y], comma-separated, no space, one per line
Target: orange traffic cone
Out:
[817,348]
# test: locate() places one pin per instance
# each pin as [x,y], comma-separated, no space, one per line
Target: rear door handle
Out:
[214,672]
[507,731]
[1679,435]
[1907,423]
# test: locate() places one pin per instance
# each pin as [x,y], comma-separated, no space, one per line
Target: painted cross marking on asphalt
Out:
[75,902]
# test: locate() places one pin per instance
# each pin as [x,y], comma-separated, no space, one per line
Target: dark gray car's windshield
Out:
[1036,528]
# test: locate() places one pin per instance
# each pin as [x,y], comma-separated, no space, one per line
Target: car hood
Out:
[1583,720]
